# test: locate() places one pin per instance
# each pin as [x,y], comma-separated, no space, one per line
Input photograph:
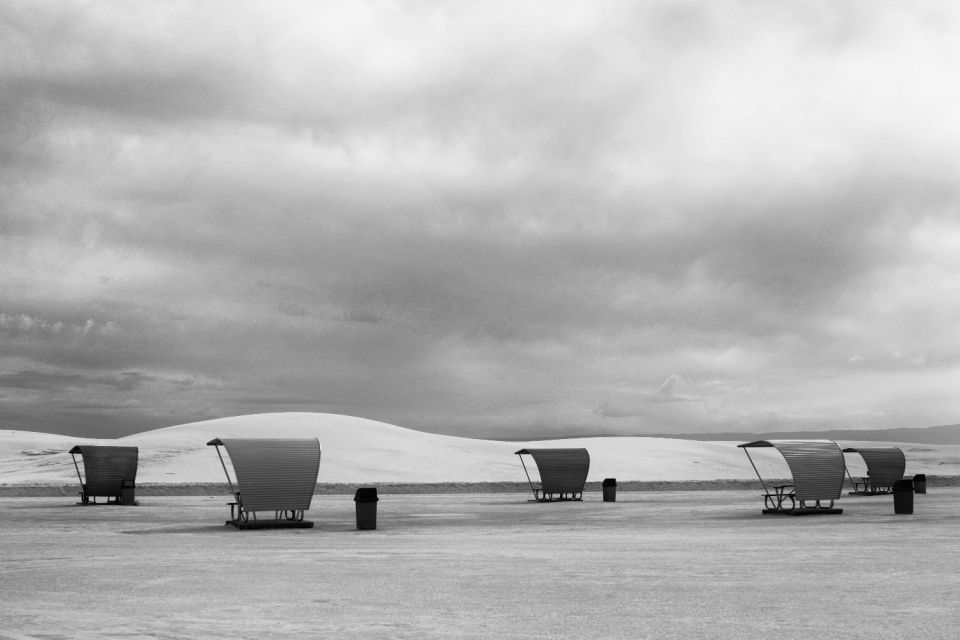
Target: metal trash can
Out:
[610,490]
[903,496]
[128,493]
[920,483]
[366,499]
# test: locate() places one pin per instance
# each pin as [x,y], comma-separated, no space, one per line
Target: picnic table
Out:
[781,493]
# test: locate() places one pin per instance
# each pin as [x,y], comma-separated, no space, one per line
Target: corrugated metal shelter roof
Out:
[562,471]
[817,466]
[885,465]
[273,474]
[105,468]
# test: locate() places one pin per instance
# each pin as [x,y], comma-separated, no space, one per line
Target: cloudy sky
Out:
[477,218]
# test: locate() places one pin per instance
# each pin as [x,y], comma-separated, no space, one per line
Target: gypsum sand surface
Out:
[662,564]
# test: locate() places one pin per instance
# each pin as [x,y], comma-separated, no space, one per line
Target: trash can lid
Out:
[903,485]
[366,494]
[920,476]
[609,482]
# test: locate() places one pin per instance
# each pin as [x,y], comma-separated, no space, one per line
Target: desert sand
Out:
[651,565]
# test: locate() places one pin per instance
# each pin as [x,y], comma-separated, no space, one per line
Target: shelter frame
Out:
[272,476]
[885,465]
[817,468]
[109,472]
[563,473]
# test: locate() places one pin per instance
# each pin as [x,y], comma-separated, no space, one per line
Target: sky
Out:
[515,219]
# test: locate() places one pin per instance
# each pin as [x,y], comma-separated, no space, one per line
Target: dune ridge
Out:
[359,451]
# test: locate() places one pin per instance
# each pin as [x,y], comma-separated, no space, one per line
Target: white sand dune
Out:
[356,450]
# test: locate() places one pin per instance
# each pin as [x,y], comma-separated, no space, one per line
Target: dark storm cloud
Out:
[45,381]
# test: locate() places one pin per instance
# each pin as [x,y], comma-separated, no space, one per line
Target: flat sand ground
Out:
[670,564]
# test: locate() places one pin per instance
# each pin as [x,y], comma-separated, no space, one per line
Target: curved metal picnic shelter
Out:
[107,471]
[271,475]
[817,467]
[563,473]
[885,465]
